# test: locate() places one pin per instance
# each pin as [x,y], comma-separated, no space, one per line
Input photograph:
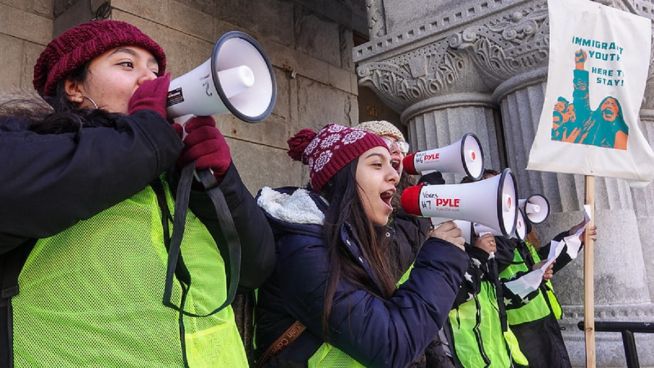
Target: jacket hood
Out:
[292,209]
[294,205]
[301,212]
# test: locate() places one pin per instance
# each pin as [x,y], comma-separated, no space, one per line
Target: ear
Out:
[74,91]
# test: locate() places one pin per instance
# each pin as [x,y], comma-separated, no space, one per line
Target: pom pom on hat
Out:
[298,143]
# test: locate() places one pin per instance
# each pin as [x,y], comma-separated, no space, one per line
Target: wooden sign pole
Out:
[589,291]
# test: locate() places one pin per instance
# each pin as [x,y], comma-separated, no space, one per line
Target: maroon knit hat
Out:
[329,150]
[84,42]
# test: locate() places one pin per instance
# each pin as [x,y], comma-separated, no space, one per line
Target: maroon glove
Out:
[151,95]
[179,130]
[205,145]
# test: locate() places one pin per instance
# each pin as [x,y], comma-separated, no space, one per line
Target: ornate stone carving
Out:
[376,19]
[414,76]
[509,44]
[512,41]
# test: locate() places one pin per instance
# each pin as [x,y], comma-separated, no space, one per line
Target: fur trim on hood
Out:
[298,207]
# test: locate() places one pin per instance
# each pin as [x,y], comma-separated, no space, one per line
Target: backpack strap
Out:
[11,264]
[291,334]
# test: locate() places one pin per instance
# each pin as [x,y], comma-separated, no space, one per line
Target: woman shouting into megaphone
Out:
[332,299]
[93,243]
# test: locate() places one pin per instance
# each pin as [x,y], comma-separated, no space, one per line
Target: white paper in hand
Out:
[526,284]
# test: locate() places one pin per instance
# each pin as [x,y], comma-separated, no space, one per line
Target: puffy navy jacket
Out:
[377,332]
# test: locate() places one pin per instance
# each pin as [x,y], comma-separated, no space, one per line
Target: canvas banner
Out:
[598,64]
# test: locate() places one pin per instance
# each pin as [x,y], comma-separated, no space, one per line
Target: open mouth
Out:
[387,197]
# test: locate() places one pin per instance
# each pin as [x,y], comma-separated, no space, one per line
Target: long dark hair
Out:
[345,206]
[67,117]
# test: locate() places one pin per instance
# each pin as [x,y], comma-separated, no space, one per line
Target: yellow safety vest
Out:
[551,296]
[92,296]
[477,332]
[536,308]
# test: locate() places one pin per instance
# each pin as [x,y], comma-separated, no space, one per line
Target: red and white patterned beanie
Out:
[329,150]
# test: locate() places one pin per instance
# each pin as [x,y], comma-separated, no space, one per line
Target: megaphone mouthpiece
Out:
[507,202]
[410,200]
[532,208]
[236,80]
[407,164]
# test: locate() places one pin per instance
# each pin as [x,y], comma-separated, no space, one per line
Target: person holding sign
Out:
[533,315]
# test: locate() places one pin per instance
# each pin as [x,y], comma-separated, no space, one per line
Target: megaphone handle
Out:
[435,221]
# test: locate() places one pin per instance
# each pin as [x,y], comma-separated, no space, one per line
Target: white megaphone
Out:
[492,202]
[237,78]
[466,229]
[536,208]
[463,157]
[520,231]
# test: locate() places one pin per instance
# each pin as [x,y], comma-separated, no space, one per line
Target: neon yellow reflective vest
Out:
[551,296]
[92,296]
[536,308]
[476,327]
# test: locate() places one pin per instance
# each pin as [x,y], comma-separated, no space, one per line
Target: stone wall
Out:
[25,27]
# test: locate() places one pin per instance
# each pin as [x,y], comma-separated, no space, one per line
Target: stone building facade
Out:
[439,68]
[450,67]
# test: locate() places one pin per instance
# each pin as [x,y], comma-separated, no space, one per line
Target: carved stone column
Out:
[438,72]
[439,121]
